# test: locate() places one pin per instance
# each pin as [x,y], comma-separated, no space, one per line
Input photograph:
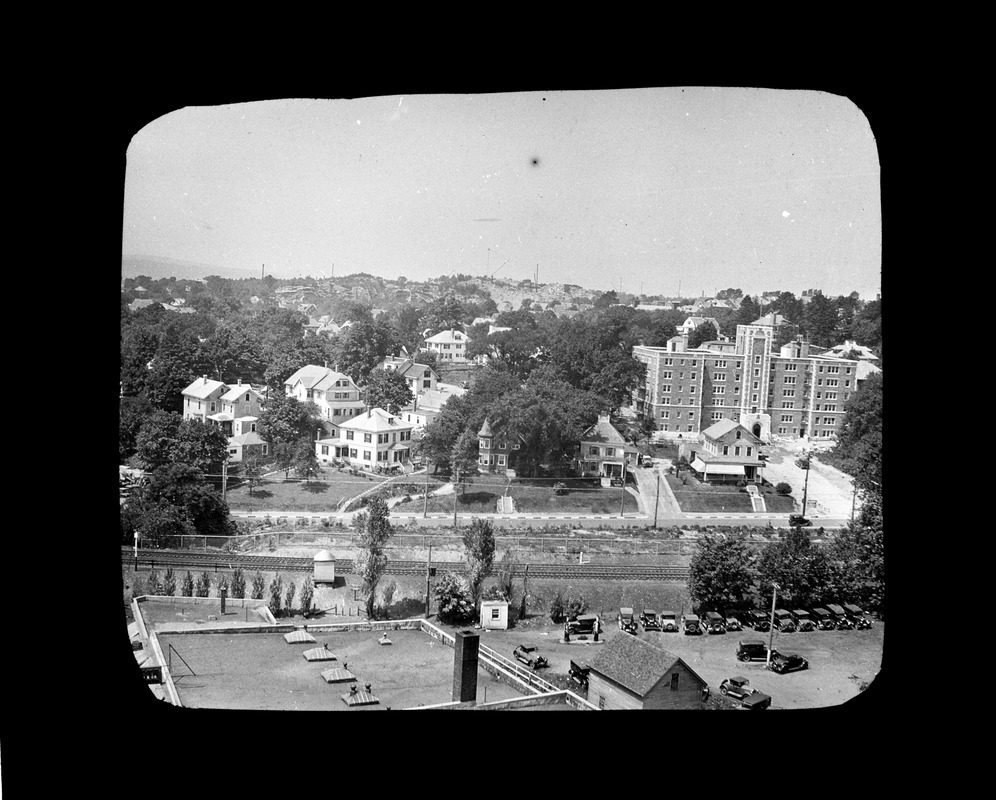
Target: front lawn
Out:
[480,496]
[695,496]
[324,493]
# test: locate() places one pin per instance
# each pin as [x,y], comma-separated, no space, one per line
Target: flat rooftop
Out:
[262,671]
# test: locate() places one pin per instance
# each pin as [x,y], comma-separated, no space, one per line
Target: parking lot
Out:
[840,661]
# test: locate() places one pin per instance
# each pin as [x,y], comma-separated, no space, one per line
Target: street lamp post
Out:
[771,629]
[136,548]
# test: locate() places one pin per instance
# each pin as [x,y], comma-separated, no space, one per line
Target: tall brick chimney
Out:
[466,647]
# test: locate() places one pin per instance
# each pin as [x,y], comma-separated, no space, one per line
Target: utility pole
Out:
[658,501]
[622,498]
[456,481]
[425,498]
[805,485]
[224,478]
[428,573]
[522,605]
[771,630]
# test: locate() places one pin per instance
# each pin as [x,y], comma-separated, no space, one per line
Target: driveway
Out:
[647,481]
[830,491]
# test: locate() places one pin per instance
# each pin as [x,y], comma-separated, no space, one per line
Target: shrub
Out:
[389,592]
[187,588]
[783,488]
[155,583]
[289,597]
[258,586]
[169,583]
[276,590]
[238,583]
[307,593]
[576,606]
[560,488]
[495,592]
[453,598]
[204,585]
[557,608]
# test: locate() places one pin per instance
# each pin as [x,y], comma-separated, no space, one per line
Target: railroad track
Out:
[227,562]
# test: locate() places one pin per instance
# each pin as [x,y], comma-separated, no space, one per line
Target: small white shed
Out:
[494,615]
[324,567]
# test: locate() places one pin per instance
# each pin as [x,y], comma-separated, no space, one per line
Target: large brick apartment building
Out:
[790,393]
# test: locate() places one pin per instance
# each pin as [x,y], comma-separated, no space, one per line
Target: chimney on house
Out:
[326,365]
[204,378]
[240,381]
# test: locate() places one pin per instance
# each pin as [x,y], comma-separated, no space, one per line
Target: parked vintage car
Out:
[840,619]
[803,622]
[787,662]
[749,697]
[627,621]
[579,673]
[731,618]
[713,622]
[857,616]
[755,702]
[752,650]
[690,624]
[649,620]
[529,655]
[668,621]
[783,621]
[738,687]
[823,619]
[759,621]
[798,521]
[583,625]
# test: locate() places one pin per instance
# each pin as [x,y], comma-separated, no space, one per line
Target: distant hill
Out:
[161,267]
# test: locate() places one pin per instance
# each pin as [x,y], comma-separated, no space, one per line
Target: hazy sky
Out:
[631,189]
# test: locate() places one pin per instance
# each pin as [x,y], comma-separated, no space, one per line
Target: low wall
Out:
[150,644]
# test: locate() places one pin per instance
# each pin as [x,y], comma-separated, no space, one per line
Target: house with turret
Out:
[495,454]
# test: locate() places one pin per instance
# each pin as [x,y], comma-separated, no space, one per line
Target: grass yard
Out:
[322,494]
[699,497]
[583,497]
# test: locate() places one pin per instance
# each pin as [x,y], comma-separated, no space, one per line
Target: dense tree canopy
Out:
[722,573]
[165,438]
[387,389]
[858,451]
[284,419]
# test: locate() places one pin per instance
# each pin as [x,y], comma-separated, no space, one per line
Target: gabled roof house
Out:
[604,450]
[629,673]
[728,453]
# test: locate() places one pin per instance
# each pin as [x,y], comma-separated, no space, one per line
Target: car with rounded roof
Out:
[740,689]
[529,655]
[787,662]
